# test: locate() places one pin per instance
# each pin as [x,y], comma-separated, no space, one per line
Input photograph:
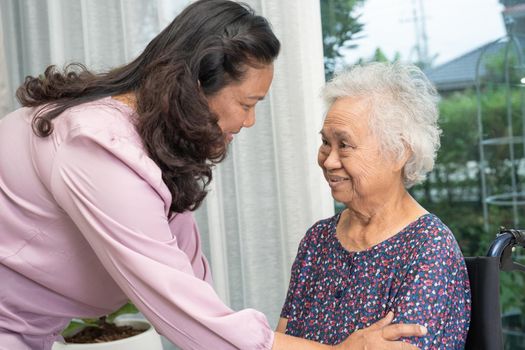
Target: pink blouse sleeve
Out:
[114,194]
[184,227]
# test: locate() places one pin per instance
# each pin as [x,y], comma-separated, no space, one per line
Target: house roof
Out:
[460,73]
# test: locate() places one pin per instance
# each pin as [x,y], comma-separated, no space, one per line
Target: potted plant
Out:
[111,332]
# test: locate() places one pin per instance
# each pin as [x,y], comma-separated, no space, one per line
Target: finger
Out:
[385,321]
[396,331]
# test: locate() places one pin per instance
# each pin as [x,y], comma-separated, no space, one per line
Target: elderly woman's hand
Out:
[383,336]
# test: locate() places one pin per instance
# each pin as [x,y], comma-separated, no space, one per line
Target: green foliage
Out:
[501,66]
[127,308]
[459,144]
[511,296]
[453,191]
[340,30]
[74,326]
[77,324]
[380,56]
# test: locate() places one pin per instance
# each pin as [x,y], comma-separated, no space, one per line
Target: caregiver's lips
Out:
[230,135]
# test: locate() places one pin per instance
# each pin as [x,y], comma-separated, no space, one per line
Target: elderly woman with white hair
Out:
[384,253]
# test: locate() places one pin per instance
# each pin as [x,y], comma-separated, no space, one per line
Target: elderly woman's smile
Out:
[334,180]
[351,157]
[383,252]
[338,183]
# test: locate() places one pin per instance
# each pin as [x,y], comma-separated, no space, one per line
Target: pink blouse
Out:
[85,225]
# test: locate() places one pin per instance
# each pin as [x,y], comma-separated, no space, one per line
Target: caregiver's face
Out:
[234,104]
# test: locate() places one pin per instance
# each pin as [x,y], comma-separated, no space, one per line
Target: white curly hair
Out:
[403,111]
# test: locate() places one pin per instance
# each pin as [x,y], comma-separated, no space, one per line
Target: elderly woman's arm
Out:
[435,291]
[380,336]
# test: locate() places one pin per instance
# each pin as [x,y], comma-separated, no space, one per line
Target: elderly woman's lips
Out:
[336,178]
[334,181]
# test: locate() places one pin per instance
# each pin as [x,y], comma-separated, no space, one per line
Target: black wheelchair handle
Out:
[502,246]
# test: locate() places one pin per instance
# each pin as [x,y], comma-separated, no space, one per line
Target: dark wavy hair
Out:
[207,46]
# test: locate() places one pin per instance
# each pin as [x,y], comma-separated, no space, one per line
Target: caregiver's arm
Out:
[380,336]
[281,326]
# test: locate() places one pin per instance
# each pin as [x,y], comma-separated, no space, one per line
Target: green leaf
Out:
[76,324]
[73,327]
[127,308]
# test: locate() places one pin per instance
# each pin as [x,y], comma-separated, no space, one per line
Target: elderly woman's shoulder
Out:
[432,225]
[431,230]
[322,229]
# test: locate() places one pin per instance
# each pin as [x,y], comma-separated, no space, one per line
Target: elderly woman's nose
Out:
[332,160]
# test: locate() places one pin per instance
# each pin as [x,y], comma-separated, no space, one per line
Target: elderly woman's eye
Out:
[345,145]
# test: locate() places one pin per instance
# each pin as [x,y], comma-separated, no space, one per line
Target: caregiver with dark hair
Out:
[99,174]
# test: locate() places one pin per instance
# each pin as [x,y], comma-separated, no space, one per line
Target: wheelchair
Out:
[485,332]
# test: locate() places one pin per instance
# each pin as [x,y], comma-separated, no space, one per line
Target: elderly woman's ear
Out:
[402,159]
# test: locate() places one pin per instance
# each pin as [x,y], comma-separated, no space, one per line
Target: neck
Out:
[365,225]
[128,98]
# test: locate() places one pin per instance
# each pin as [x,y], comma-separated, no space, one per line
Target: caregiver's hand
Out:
[383,336]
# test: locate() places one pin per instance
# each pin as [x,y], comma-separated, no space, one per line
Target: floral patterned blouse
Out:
[419,273]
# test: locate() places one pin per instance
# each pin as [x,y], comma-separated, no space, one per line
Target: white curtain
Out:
[6,103]
[269,190]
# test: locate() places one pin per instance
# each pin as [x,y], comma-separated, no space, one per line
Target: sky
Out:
[453,27]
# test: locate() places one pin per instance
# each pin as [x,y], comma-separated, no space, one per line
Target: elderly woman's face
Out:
[234,104]
[350,154]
